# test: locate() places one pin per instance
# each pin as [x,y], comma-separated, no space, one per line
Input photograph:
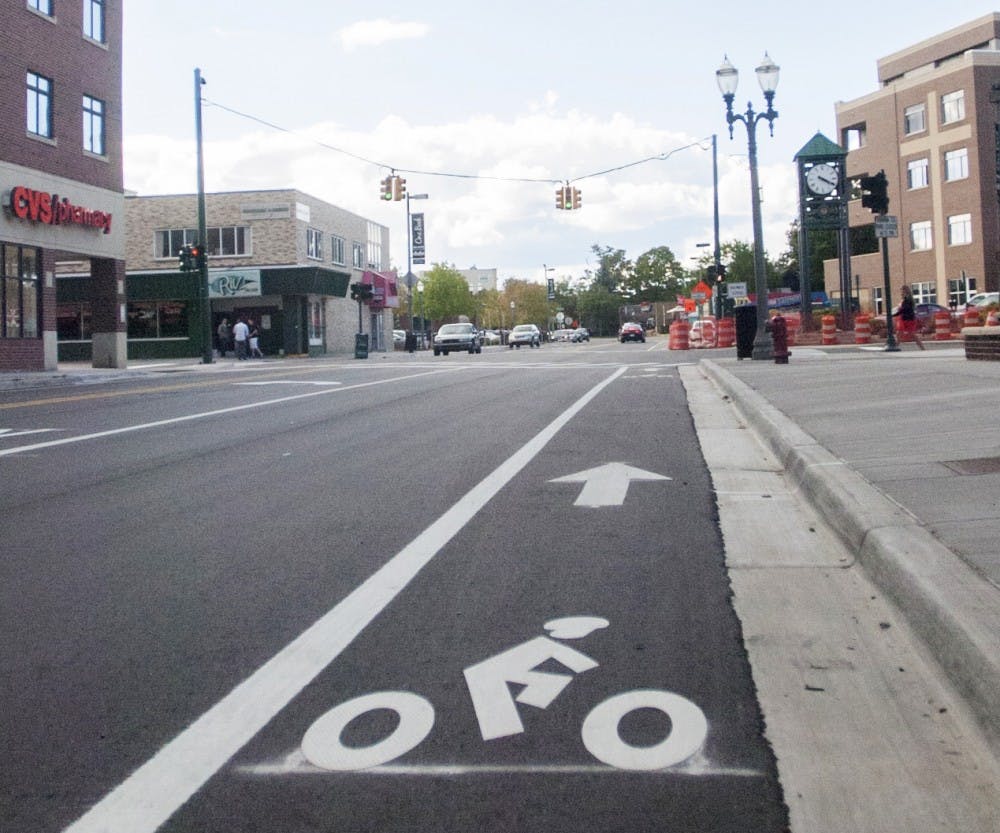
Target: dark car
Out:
[631,331]
[581,334]
[457,337]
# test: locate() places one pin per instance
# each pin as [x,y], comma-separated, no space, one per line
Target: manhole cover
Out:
[983,465]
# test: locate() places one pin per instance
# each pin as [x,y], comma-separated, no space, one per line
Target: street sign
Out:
[417,230]
[887,225]
[738,290]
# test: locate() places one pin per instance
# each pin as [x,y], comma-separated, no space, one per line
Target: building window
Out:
[956,164]
[924,293]
[952,107]
[73,321]
[959,229]
[158,319]
[41,6]
[920,236]
[960,290]
[316,324]
[39,105]
[337,249]
[358,256]
[855,137]
[19,294]
[93,19]
[93,125]
[914,119]
[878,301]
[314,244]
[374,246]
[223,241]
[916,174]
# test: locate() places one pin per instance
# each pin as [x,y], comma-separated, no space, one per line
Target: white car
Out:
[524,334]
[983,299]
[491,337]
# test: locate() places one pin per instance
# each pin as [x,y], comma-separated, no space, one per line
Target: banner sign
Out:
[234,283]
[417,231]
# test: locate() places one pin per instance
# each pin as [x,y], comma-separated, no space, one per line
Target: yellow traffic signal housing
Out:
[576,202]
[398,188]
[560,198]
[387,188]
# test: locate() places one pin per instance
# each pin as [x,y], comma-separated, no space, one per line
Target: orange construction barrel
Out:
[679,335]
[862,329]
[727,332]
[828,329]
[972,317]
[942,325]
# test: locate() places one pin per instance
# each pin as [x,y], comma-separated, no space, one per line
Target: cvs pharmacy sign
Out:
[41,207]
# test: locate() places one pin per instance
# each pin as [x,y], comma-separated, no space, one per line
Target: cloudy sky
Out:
[486,105]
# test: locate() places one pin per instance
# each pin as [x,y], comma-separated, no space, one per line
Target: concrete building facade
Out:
[281,257]
[932,127]
[61,183]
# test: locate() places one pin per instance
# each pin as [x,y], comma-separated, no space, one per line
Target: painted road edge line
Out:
[154,792]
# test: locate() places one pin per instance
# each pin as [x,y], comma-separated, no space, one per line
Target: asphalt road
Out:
[415,594]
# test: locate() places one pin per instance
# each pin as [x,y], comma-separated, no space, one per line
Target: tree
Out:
[613,268]
[657,276]
[446,293]
[598,310]
[531,302]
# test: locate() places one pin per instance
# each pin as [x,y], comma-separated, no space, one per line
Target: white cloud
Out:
[366,33]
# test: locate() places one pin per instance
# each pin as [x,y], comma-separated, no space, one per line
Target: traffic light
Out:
[184,261]
[387,188]
[874,194]
[198,258]
[398,188]
[361,291]
[561,198]
[576,199]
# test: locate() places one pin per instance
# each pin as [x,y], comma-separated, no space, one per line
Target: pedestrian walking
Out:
[241,334]
[255,352]
[908,324]
[222,334]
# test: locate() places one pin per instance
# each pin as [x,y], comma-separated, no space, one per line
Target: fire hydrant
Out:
[778,328]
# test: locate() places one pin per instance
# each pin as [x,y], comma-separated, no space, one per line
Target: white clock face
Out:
[822,179]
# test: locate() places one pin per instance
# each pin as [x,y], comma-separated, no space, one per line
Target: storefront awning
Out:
[385,289]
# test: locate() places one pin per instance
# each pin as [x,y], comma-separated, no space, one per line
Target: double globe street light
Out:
[728,78]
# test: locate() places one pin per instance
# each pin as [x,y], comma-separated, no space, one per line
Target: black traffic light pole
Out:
[875,197]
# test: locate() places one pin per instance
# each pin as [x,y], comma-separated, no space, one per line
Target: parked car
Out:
[562,335]
[457,337]
[925,316]
[525,334]
[983,299]
[631,331]
[398,338]
[490,337]
[581,334]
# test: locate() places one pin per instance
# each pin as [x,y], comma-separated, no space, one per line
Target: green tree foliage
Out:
[598,310]
[613,269]
[531,302]
[657,276]
[446,294]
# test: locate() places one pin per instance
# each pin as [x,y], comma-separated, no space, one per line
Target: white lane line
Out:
[206,414]
[299,382]
[155,791]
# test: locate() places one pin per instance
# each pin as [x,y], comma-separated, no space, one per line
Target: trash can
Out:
[746,329]
[361,345]
[411,341]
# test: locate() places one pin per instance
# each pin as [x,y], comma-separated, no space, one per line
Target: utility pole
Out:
[206,304]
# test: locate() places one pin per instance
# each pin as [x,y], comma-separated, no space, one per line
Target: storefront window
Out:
[157,319]
[19,293]
[73,321]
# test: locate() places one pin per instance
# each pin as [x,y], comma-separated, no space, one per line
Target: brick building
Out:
[281,257]
[61,183]
[932,127]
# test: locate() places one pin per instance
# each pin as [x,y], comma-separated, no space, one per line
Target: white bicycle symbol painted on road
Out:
[497,712]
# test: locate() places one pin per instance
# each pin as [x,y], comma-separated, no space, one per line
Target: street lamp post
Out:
[423,326]
[727,77]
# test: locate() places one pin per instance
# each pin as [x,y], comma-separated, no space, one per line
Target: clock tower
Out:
[823,196]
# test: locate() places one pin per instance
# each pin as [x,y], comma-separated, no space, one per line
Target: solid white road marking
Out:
[606,485]
[286,382]
[158,788]
[688,730]
[489,683]
[7,433]
[323,747]
[206,414]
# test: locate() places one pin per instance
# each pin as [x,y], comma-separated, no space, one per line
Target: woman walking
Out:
[908,324]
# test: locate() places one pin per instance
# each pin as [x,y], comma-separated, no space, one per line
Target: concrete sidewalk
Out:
[900,454]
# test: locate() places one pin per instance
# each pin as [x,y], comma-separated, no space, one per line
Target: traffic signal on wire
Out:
[387,188]
[398,188]
[561,201]
[576,198]
[874,193]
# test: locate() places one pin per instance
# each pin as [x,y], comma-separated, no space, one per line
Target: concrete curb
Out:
[950,607]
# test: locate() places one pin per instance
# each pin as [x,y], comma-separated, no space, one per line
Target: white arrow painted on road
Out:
[607,485]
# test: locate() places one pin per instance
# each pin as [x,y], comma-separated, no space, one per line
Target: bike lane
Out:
[569,660]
